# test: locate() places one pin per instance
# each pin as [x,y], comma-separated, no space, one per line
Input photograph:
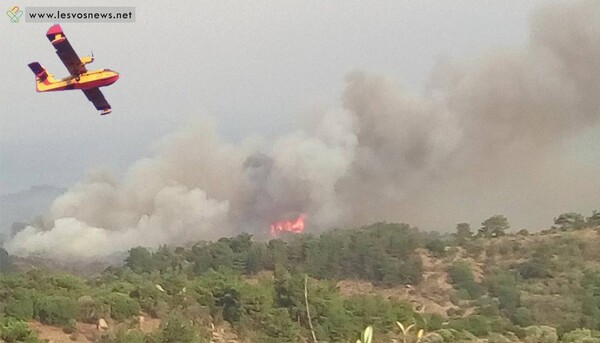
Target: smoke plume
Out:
[487,136]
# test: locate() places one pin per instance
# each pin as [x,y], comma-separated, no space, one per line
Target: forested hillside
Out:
[477,284]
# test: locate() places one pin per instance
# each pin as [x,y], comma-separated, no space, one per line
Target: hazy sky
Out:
[255,66]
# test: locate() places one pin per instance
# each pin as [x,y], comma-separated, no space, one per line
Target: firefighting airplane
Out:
[80,78]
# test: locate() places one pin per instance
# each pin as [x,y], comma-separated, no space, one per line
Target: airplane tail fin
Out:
[40,72]
[43,79]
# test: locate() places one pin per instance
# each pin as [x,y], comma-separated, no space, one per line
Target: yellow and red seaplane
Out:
[80,78]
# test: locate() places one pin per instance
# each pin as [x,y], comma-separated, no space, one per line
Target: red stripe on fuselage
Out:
[97,83]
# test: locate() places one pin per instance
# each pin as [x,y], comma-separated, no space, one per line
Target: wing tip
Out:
[105,111]
[54,29]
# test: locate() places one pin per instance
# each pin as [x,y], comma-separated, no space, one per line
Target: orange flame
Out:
[295,226]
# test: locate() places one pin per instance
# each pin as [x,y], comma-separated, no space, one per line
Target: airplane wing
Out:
[65,51]
[97,98]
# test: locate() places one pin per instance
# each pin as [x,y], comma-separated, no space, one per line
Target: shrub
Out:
[129,336]
[19,306]
[540,334]
[56,310]
[178,329]
[487,306]
[13,330]
[71,327]
[122,306]
[151,300]
[433,321]
[475,247]
[446,334]
[478,325]
[433,337]
[580,336]
[497,338]
[522,317]
[453,335]
[535,268]
[461,276]
[90,310]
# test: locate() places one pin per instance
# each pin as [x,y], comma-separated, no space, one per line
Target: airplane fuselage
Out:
[87,80]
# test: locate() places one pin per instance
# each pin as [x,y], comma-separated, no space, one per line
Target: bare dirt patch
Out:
[57,335]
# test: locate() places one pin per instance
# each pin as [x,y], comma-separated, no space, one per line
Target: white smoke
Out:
[485,138]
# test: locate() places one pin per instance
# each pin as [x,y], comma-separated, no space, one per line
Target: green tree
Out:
[436,247]
[140,260]
[569,221]
[494,226]
[463,233]
[6,263]
[280,327]
[164,259]
[221,255]
[257,259]
[241,243]
[278,253]
[594,219]
[502,284]
[228,298]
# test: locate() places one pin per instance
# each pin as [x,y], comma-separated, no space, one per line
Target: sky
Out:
[258,69]
[255,66]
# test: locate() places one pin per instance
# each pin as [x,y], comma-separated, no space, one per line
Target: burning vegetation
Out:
[293,226]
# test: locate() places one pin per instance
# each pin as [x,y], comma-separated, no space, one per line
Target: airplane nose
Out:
[112,78]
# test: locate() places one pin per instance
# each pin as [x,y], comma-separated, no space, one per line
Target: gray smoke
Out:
[487,137]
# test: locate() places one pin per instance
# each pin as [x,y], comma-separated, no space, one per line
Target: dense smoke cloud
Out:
[489,129]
